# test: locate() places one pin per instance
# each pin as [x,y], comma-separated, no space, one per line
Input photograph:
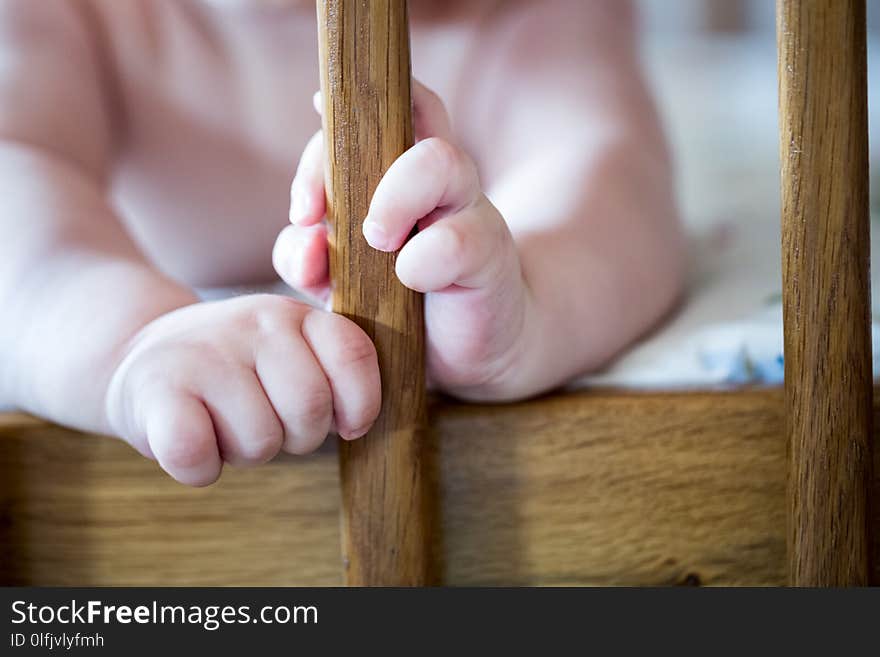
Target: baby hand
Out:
[236,381]
[463,257]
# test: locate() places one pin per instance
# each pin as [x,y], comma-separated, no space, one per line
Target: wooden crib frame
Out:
[582,487]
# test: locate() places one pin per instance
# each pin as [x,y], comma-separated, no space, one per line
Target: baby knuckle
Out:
[353,347]
[264,441]
[310,424]
[304,442]
[263,446]
[456,242]
[445,155]
[314,408]
[278,314]
[367,412]
[189,452]
[201,479]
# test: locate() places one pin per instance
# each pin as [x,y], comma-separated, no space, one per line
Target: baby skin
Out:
[146,149]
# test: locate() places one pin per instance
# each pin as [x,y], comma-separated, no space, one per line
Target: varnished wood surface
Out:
[365,79]
[826,287]
[78,509]
[577,488]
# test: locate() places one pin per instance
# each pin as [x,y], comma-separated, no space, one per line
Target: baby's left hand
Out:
[463,257]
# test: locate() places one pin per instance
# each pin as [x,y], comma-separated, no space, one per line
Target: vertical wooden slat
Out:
[365,79]
[826,287]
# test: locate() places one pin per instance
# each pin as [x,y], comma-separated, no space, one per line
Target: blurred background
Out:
[712,65]
[720,15]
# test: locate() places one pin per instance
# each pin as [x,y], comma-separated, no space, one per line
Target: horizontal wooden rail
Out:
[581,488]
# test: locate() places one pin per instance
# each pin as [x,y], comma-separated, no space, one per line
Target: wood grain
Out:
[826,287]
[365,79]
[572,489]
[78,509]
[623,489]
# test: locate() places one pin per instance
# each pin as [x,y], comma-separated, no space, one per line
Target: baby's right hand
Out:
[239,380]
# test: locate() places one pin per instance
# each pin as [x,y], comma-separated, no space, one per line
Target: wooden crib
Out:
[580,487]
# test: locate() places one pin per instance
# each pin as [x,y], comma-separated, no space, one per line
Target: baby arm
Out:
[570,247]
[94,337]
[588,194]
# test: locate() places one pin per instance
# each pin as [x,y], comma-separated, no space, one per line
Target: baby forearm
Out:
[74,332]
[75,285]
[602,259]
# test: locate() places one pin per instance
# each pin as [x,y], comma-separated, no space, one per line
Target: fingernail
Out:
[297,271]
[359,433]
[295,265]
[375,235]
[294,271]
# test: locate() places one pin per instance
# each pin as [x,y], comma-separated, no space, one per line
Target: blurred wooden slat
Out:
[577,488]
